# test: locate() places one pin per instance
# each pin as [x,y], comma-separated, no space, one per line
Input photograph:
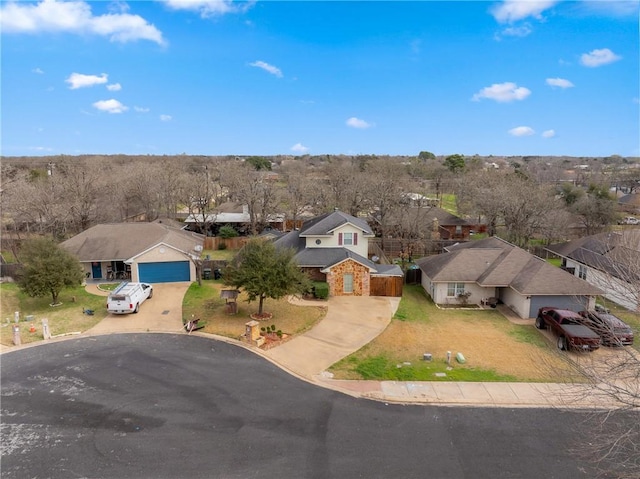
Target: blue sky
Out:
[209,77]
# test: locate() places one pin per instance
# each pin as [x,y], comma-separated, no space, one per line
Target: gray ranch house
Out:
[145,252]
[489,270]
[334,248]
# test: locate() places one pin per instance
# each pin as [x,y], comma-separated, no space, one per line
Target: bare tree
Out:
[612,384]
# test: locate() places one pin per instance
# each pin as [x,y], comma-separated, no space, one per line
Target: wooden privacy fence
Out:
[213,242]
[386,286]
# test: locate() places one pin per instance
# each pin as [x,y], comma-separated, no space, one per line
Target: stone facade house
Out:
[334,247]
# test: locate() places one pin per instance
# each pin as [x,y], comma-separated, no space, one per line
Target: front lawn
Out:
[204,302]
[65,318]
[494,348]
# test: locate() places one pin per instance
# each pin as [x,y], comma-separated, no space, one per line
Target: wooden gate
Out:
[386,286]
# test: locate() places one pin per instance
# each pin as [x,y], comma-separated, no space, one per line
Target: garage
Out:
[166,272]
[575,303]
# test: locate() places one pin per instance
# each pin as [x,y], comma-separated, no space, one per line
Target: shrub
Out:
[222,245]
[227,231]
[321,290]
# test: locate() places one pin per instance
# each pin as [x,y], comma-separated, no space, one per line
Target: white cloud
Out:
[548,134]
[114,87]
[619,8]
[209,8]
[165,117]
[110,106]
[502,92]
[50,16]
[354,122]
[79,80]
[266,67]
[141,109]
[520,31]
[514,10]
[38,71]
[559,82]
[299,148]
[521,131]
[598,57]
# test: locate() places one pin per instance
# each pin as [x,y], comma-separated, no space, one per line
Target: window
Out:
[582,271]
[348,283]
[348,239]
[458,229]
[454,289]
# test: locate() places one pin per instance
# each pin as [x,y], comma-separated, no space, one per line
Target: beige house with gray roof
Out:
[147,252]
[476,271]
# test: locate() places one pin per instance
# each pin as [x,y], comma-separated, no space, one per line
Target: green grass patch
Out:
[9,256]
[555,261]
[449,203]
[387,369]
[412,305]
[219,254]
[66,318]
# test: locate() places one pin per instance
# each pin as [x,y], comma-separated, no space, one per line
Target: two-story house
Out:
[334,248]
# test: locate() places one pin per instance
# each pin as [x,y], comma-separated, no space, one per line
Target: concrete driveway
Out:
[162,313]
[351,322]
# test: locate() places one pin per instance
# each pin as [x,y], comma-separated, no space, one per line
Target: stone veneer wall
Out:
[361,279]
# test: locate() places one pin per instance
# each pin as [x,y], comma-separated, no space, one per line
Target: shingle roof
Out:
[616,253]
[493,262]
[324,225]
[122,241]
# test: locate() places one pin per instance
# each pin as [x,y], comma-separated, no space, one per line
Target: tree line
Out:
[64,195]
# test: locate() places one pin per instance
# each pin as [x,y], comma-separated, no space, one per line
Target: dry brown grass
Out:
[204,302]
[487,339]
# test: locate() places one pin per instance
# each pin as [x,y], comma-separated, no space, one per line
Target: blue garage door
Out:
[164,272]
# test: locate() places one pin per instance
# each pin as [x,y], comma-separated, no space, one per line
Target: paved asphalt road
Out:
[180,406]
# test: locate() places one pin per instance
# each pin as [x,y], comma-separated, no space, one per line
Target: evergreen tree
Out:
[47,268]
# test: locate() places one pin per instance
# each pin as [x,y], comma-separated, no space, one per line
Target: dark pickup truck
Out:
[569,328]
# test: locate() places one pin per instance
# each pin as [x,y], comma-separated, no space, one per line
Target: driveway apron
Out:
[161,313]
[350,323]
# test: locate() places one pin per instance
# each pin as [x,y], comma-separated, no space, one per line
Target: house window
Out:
[458,230]
[348,283]
[454,289]
[348,239]
[582,271]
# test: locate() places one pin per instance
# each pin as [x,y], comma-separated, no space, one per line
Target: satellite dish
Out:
[375,259]
[197,247]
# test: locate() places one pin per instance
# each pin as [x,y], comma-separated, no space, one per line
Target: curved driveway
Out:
[180,406]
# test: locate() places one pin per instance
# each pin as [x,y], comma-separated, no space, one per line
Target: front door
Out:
[348,283]
[96,270]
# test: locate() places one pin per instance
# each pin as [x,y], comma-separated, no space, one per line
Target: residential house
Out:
[610,261]
[489,270]
[334,248]
[147,252]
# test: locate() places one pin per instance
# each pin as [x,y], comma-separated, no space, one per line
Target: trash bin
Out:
[217,273]
[206,273]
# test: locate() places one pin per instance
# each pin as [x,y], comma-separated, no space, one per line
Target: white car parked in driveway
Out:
[630,220]
[128,297]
